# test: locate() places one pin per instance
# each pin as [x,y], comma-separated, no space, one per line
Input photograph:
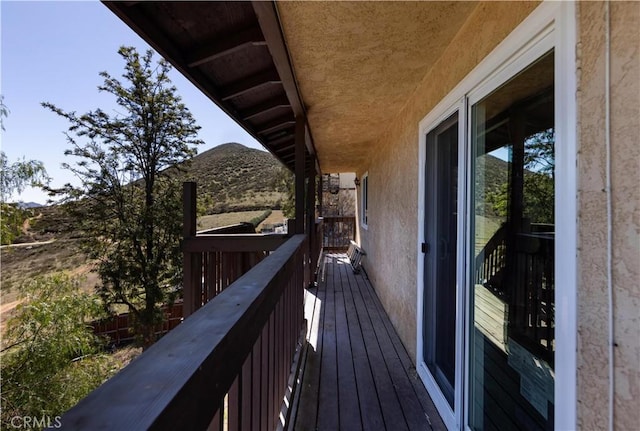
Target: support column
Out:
[320,185]
[299,174]
[311,216]
[192,262]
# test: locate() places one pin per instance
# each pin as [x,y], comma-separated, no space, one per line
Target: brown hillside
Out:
[232,177]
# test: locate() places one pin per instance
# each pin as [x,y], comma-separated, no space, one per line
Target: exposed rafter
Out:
[272,31]
[251,83]
[285,148]
[213,44]
[263,108]
[283,122]
[281,140]
[226,45]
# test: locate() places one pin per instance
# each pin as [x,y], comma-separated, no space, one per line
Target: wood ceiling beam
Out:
[251,83]
[225,45]
[263,108]
[279,141]
[142,22]
[280,123]
[285,148]
[271,29]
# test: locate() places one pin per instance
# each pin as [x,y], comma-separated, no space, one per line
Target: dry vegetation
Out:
[234,178]
[226,219]
[276,217]
[238,181]
[43,250]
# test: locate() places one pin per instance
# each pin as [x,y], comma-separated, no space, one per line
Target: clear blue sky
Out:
[53,51]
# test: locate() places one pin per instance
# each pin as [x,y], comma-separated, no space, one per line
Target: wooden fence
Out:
[118,329]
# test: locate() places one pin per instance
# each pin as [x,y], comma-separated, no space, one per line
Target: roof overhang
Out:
[345,68]
[234,52]
[359,63]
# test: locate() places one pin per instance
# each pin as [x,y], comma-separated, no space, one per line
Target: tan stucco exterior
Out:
[593,302]
[391,239]
[356,74]
[378,134]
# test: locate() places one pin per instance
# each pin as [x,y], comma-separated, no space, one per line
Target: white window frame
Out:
[551,26]
[364,198]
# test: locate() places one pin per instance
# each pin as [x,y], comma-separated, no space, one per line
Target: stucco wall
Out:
[593,302]
[391,239]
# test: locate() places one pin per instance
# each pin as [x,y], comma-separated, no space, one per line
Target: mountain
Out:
[232,177]
[27,205]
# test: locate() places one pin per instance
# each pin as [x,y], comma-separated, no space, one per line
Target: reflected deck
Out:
[357,375]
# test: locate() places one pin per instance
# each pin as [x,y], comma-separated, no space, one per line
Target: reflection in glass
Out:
[512,333]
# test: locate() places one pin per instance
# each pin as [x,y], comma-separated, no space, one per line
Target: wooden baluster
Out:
[246,395]
[264,378]
[271,374]
[234,407]
[256,384]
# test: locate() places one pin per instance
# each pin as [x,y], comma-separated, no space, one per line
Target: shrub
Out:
[257,220]
[51,358]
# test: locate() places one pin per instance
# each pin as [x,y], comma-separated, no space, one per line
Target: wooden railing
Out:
[338,232]
[214,262]
[522,275]
[491,262]
[532,302]
[225,367]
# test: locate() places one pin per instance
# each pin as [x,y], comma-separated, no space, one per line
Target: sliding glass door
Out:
[511,299]
[440,255]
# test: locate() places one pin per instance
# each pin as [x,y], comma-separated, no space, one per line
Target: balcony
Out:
[357,373]
[265,348]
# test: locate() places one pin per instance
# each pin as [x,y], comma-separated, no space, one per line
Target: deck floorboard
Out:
[358,375]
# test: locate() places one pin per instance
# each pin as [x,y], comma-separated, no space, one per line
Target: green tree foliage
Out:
[262,217]
[4,111]
[11,221]
[538,190]
[130,204]
[14,178]
[50,358]
[19,175]
[285,183]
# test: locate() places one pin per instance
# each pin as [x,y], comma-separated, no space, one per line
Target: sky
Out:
[52,51]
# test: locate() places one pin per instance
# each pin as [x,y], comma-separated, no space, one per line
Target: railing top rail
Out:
[173,385]
[241,235]
[338,218]
[233,242]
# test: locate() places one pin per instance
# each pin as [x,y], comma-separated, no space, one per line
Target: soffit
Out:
[357,63]
[229,50]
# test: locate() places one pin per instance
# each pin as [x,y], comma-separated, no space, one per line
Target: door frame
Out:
[552,25]
[451,417]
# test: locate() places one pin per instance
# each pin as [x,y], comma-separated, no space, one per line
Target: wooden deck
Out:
[357,374]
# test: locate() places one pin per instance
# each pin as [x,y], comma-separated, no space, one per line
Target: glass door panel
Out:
[512,311]
[440,255]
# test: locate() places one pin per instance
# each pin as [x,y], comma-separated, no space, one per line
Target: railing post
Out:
[311,220]
[300,136]
[320,194]
[192,262]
